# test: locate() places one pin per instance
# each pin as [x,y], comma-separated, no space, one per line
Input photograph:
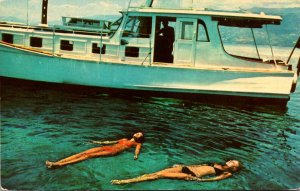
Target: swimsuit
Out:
[107,148]
[126,142]
[186,170]
[218,171]
[116,147]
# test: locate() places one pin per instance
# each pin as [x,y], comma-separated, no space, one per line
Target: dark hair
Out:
[234,168]
[140,139]
[165,21]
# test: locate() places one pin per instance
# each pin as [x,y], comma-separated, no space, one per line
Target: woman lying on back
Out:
[192,172]
[109,150]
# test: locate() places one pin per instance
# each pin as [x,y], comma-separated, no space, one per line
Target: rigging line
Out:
[101,46]
[125,23]
[271,46]
[128,6]
[150,39]
[149,53]
[27,13]
[255,43]
[298,42]
[53,40]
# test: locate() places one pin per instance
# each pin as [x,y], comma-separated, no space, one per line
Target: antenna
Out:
[128,6]
[149,3]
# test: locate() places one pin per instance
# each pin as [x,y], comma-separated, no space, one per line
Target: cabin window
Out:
[187,30]
[239,41]
[202,34]
[66,45]
[113,27]
[9,38]
[96,48]
[36,42]
[138,27]
[131,51]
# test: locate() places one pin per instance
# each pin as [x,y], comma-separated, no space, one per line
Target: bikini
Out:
[218,171]
[124,142]
[186,170]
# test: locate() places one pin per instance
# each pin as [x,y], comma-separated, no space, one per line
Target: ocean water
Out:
[42,122]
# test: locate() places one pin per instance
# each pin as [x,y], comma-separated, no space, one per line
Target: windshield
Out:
[246,42]
[113,27]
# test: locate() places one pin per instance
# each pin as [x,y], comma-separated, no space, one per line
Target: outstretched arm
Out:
[220,177]
[105,142]
[137,151]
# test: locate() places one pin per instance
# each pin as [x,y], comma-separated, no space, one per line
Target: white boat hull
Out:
[24,64]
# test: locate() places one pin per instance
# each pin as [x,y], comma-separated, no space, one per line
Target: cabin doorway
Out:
[164,39]
[185,44]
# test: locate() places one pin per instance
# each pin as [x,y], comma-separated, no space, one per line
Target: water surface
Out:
[47,122]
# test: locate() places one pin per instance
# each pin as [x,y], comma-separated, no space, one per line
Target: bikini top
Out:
[189,170]
[218,171]
[126,142]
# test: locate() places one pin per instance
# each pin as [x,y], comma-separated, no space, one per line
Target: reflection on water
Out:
[47,122]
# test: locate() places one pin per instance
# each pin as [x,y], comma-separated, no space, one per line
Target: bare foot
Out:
[116,182]
[49,164]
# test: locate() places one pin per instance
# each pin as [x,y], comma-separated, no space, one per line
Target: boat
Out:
[133,53]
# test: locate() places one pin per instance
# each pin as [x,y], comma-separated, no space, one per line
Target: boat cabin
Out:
[162,46]
[148,35]
[193,38]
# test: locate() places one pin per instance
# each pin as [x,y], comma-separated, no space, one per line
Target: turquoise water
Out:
[43,122]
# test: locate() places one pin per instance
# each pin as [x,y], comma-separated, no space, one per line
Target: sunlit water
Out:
[48,122]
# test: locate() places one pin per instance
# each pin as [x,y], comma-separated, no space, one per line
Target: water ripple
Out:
[41,123]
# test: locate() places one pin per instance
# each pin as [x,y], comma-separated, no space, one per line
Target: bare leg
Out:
[142,178]
[91,153]
[171,173]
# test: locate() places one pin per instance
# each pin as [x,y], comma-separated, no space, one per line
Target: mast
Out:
[27,13]
[44,12]
[149,3]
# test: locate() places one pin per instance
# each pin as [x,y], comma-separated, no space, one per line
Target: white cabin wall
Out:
[208,53]
[19,39]
[22,38]
[116,38]
[19,36]
[212,54]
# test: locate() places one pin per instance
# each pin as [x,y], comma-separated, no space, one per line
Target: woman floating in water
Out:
[193,172]
[111,150]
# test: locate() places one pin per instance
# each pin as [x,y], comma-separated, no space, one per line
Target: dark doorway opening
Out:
[164,39]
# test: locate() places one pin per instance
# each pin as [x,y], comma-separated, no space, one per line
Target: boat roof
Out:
[222,16]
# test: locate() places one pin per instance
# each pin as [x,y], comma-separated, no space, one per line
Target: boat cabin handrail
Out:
[82,30]
[245,22]
[58,29]
[262,18]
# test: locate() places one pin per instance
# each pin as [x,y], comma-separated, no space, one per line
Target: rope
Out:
[271,46]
